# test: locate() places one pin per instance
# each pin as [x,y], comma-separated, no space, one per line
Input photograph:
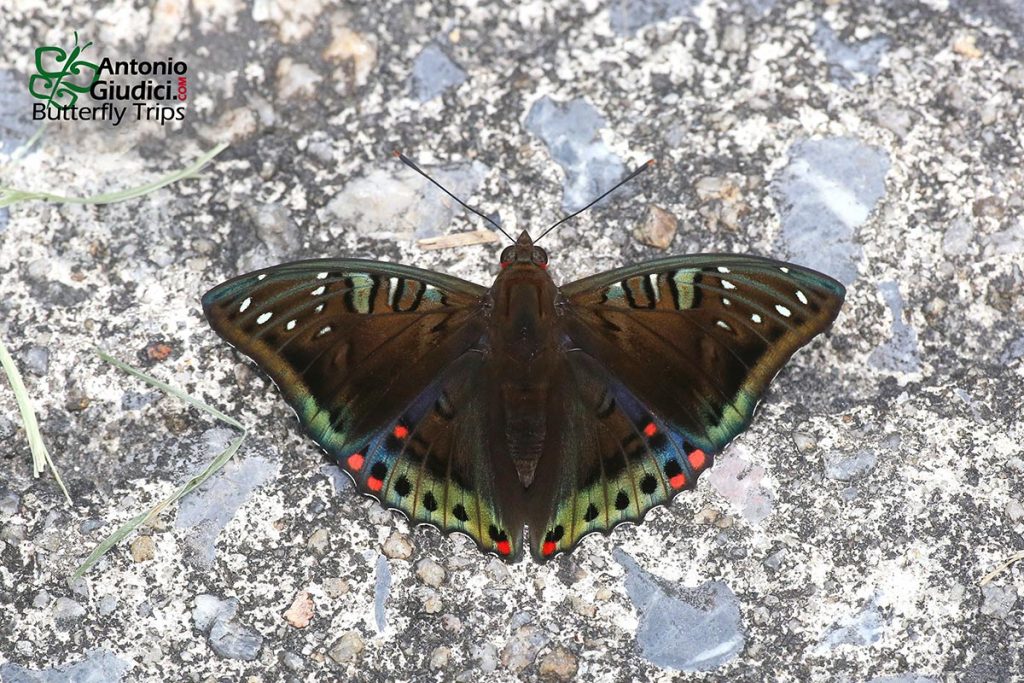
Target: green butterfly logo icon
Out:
[62,76]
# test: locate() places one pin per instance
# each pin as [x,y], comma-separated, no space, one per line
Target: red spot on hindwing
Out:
[504,547]
[549,547]
[697,459]
[401,431]
[650,430]
[678,481]
[355,461]
[375,484]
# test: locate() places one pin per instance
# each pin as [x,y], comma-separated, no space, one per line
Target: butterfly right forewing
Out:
[665,364]
[382,366]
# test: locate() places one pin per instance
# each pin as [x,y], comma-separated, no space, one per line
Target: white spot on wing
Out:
[392,288]
[783,310]
[724,325]
[803,297]
[264,317]
[723,269]
[318,291]
[728,285]
[260,277]
[653,277]
[323,330]
[321,276]
[290,325]
[726,302]
[756,318]
[319,308]
[784,269]
[245,304]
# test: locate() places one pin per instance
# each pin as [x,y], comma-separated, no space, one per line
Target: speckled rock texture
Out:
[843,537]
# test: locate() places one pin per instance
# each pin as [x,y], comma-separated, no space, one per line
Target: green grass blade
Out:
[173,391]
[10,195]
[40,456]
[222,458]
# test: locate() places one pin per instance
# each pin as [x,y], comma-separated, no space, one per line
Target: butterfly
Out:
[525,413]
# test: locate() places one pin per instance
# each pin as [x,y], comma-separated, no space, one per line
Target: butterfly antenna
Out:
[411,164]
[634,174]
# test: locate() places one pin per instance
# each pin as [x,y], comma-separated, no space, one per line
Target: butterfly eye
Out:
[540,257]
[508,255]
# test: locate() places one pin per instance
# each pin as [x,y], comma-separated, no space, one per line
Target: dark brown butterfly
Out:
[565,410]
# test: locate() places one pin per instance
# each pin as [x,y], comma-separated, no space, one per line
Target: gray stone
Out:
[521,649]
[628,16]
[395,201]
[9,501]
[998,601]
[689,629]
[850,63]
[208,509]
[843,466]
[433,72]
[862,628]
[827,190]
[381,590]
[66,610]
[216,618]
[98,666]
[276,229]
[36,360]
[485,655]
[899,353]
[570,131]
[232,640]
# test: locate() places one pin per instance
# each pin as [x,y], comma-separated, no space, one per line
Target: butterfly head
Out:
[524,252]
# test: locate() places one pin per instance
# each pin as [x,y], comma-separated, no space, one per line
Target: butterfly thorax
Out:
[523,333]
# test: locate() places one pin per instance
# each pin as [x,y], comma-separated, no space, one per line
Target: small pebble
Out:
[430,572]
[1014,510]
[143,549]
[41,600]
[658,229]
[398,547]
[319,542]
[66,609]
[804,442]
[965,47]
[431,601]
[559,664]
[346,648]
[335,587]
[301,611]
[292,661]
[439,657]
[486,656]
[520,651]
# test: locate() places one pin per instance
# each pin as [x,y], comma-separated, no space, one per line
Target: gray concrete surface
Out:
[842,538]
